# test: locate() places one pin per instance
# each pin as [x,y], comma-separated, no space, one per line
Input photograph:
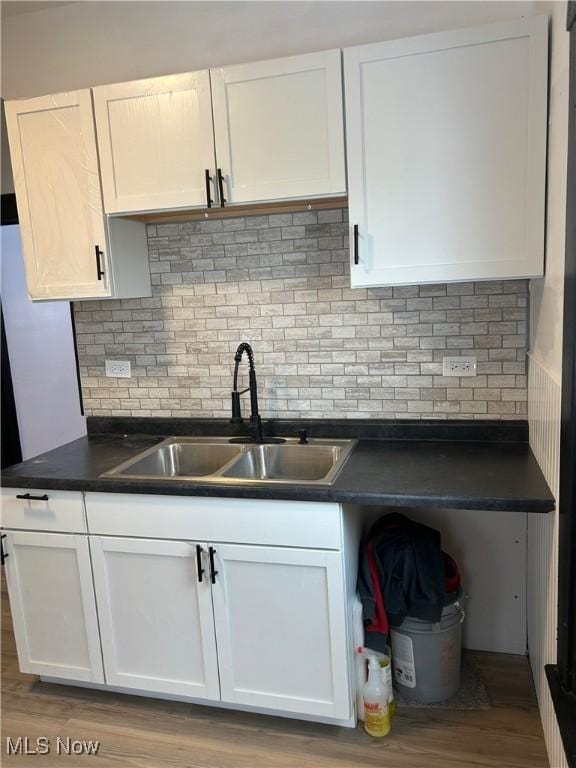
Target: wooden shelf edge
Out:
[252,209]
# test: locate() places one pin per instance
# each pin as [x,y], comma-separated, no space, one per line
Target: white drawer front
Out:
[42,510]
[242,521]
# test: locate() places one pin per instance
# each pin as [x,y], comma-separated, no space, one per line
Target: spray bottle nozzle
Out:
[379,658]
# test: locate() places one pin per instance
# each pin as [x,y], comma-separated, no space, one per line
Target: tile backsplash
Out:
[321,348]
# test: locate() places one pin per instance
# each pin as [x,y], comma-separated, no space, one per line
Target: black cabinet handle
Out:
[99,270]
[3,554]
[213,571]
[29,497]
[199,568]
[221,187]
[208,178]
[355,243]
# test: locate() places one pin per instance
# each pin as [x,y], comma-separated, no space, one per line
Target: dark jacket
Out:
[401,573]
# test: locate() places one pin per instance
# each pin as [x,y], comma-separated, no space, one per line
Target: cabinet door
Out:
[446,139]
[156,142]
[56,176]
[279,128]
[155,616]
[53,607]
[280,626]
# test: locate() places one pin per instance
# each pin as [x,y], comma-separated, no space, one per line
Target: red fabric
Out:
[380,621]
[452,574]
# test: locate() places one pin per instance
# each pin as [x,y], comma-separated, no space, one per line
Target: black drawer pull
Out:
[355,243]
[99,270]
[213,571]
[221,187]
[199,568]
[3,554]
[29,497]
[208,196]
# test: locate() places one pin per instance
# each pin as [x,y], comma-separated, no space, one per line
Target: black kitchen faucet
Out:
[255,420]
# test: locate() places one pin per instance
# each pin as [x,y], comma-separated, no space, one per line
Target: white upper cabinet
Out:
[71,250]
[56,177]
[446,140]
[279,128]
[156,142]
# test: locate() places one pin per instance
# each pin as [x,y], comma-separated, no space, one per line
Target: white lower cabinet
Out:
[280,625]
[260,621]
[155,615]
[262,626]
[53,608]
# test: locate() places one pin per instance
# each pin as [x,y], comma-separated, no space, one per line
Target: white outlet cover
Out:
[118,369]
[459,366]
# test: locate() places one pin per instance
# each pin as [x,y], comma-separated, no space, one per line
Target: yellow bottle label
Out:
[376,719]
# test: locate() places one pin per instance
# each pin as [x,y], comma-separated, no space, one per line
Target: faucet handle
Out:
[303,437]
[236,412]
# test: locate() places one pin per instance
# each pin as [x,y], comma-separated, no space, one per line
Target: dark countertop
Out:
[455,474]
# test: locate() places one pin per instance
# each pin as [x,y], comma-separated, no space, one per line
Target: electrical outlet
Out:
[118,369]
[459,366]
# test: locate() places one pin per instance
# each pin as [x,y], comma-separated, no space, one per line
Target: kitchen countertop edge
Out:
[283,492]
[387,473]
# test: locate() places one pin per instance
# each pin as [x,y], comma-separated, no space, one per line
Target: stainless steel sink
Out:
[310,463]
[178,457]
[216,460]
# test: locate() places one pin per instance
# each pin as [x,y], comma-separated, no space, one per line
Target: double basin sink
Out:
[217,460]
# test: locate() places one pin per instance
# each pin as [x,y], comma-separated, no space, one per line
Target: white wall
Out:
[545,369]
[90,43]
[42,362]
[542,551]
[490,549]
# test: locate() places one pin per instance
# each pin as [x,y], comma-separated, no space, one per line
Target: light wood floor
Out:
[136,732]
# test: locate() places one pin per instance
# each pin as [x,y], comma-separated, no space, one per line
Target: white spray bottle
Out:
[375,695]
[386,669]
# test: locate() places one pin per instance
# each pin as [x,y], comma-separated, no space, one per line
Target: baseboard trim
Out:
[348,723]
